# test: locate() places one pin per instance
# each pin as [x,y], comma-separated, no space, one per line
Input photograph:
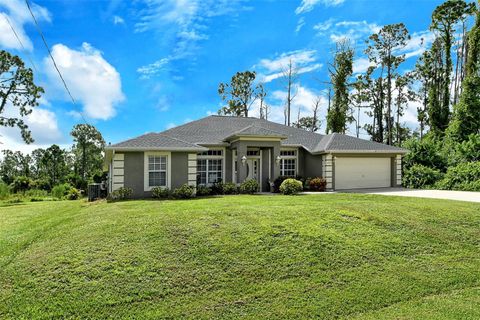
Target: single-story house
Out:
[233,149]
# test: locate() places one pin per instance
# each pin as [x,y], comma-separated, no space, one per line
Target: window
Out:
[253,153]
[287,167]
[288,163]
[157,171]
[209,171]
[211,153]
[288,153]
[210,167]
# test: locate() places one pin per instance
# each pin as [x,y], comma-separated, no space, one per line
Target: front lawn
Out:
[258,257]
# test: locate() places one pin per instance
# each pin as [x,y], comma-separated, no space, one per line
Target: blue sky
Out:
[146,65]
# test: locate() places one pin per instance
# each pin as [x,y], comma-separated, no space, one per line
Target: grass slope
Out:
[321,256]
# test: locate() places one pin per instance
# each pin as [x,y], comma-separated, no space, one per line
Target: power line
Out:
[51,57]
[21,43]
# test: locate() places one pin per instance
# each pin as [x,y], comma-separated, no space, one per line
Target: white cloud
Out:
[183,21]
[153,68]
[353,30]
[308,5]
[118,20]
[44,127]
[361,65]
[418,43]
[90,78]
[304,100]
[170,125]
[271,69]
[16,12]
[300,24]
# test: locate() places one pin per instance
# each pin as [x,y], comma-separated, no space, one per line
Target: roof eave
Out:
[184,149]
[362,151]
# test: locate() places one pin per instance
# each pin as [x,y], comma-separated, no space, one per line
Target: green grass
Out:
[255,257]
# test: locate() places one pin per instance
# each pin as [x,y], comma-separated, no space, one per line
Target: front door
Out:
[253,169]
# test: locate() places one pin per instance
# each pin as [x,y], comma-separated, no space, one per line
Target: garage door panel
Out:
[356,173]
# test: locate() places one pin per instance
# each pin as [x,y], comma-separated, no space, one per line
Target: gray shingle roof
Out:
[215,130]
[157,141]
[253,130]
[342,143]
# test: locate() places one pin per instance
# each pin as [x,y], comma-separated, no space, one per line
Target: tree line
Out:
[46,168]
[443,81]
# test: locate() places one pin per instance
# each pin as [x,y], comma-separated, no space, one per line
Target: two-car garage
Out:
[362,172]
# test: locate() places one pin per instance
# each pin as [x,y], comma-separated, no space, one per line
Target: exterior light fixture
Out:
[244,159]
[277,160]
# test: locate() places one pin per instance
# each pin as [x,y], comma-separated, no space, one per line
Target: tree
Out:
[404,95]
[88,149]
[340,71]
[239,94]
[438,115]
[445,17]
[290,76]
[371,92]
[423,74]
[18,90]
[37,166]
[263,107]
[466,117]
[307,123]
[382,51]
[55,162]
[10,166]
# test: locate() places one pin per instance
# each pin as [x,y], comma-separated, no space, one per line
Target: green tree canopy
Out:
[239,94]
[17,90]
[87,149]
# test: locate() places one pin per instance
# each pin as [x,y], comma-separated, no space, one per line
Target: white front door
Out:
[253,169]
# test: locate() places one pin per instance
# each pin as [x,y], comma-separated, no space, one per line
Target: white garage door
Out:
[355,173]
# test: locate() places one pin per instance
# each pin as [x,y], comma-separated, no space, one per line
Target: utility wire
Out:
[21,44]
[51,57]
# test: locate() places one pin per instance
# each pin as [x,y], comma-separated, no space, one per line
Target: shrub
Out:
[426,152]
[36,193]
[216,188]
[61,190]
[465,176]
[317,184]
[184,192]
[21,184]
[467,151]
[161,193]
[41,184]
[73,194]
[419,176]
[230,188]
[249,186]
[203,191]
[4,190]
[291,186]
[120,194]
[277,183]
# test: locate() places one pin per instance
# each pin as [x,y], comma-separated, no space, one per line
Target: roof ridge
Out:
[329,142]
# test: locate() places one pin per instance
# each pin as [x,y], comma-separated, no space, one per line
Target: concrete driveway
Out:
[434,194]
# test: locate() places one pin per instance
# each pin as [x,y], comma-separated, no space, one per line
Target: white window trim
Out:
[222,157]
[290,157]
[146,187]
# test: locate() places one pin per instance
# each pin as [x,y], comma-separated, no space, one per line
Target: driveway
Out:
[434,194]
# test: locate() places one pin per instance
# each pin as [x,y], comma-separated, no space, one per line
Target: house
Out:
[233,149]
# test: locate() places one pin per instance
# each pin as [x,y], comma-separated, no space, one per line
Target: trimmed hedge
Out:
[291,186]
[249,186]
